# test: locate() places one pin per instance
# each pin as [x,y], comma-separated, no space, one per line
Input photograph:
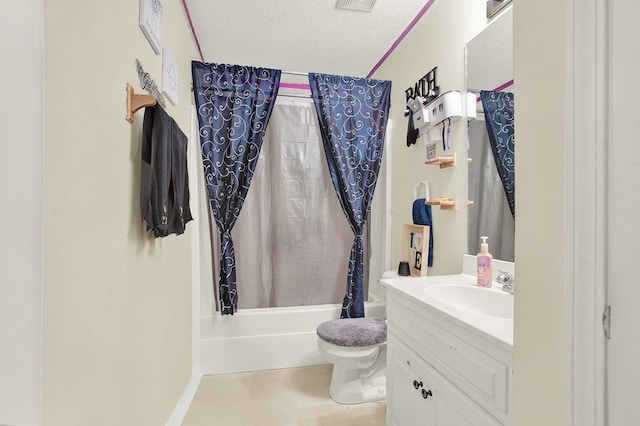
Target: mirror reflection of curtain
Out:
[498,114]
[490,214]
[353,115]
[292,240]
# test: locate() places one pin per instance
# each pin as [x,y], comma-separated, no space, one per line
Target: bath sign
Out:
[426,87]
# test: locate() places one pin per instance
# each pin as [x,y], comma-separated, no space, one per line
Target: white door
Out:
[623,234]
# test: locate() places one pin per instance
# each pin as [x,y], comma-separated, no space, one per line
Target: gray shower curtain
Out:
[490,214]
[291,240]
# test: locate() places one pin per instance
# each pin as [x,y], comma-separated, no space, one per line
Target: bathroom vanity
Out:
[449,351]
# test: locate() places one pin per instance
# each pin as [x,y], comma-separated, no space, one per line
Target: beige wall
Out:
[21,112]
[117,303]
[117,308]
[541,374]
[437,40]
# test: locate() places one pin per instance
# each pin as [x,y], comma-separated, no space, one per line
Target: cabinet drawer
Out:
[481,376]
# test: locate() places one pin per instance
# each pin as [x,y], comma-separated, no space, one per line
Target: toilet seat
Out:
[354,332]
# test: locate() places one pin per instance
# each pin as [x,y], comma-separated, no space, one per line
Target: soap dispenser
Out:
[485,259]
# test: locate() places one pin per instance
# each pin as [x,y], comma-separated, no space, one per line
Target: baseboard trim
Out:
[180,411]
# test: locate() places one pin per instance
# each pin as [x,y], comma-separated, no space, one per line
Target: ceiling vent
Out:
[361,5]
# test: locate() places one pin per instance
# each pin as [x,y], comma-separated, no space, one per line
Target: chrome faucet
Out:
[507,281]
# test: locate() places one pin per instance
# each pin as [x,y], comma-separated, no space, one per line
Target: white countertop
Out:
[498,328]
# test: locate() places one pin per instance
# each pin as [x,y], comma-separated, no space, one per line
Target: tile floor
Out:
[287,397]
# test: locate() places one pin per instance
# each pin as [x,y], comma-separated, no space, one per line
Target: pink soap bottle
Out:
[485,259]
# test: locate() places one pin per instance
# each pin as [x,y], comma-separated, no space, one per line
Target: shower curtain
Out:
[234,104]
[490,214]
[353,115]
[498,113]
[291,239]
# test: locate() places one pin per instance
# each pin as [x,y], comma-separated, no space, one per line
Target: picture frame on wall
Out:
[169,77]
[151,22]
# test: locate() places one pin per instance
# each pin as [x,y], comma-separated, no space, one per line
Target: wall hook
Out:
[136,102]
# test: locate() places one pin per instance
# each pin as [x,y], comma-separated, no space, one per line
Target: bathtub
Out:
[267,338]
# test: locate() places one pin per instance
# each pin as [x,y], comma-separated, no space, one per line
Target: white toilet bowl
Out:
[357,348]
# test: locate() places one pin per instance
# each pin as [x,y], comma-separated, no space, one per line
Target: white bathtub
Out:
[268,338]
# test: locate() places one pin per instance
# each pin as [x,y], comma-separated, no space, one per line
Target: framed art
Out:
[151,22]
[415,248]
[169,77]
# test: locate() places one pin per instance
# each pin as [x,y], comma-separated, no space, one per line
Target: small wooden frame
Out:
[415,248]
[136,102]
[443,162]
[445,203]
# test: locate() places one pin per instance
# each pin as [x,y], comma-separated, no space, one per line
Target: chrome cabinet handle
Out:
[426,393]
[417,384]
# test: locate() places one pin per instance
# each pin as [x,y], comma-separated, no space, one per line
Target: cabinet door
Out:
[405,406]
[418,395]
[452,407]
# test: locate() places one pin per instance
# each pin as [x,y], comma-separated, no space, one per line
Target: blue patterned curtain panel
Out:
[353,114]
[234,104]
[498,115]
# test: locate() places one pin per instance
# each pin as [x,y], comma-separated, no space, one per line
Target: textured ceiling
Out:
[300,35]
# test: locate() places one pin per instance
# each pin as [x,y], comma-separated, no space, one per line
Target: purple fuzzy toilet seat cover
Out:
[355,332]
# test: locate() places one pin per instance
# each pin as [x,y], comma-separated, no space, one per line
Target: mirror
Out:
[489,67]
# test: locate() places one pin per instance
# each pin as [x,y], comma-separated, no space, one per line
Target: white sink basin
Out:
[479,300]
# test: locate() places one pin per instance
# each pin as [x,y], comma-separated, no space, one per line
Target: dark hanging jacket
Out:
[164,180]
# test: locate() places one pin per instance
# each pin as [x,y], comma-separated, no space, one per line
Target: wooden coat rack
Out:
[136,102]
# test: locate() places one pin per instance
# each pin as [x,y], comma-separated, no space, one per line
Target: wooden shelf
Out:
[444,161]
[445,203]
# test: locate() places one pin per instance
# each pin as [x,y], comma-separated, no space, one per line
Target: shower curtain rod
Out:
[291,95]
[295,73]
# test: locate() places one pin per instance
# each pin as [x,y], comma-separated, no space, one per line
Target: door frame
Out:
[586,135]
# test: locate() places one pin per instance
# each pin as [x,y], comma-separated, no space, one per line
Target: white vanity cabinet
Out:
[440,371]
[419,395]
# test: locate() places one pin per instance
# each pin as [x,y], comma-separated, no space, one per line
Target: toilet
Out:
[357,348]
